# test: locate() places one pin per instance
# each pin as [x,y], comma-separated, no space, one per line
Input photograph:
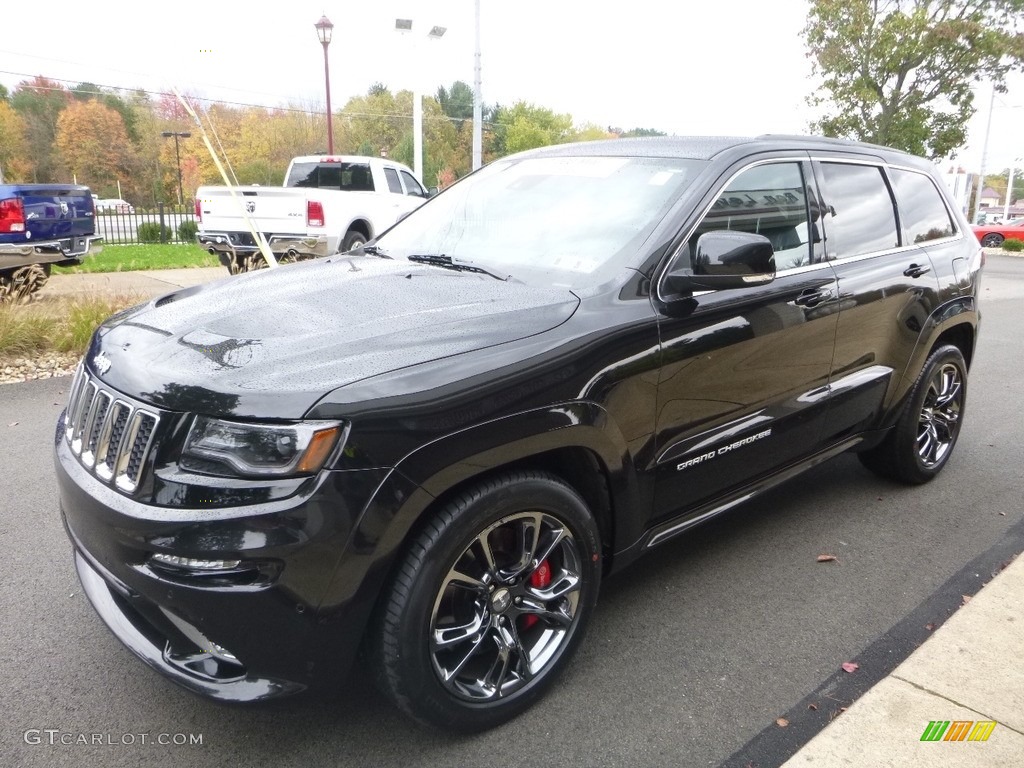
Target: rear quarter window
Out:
[922,210]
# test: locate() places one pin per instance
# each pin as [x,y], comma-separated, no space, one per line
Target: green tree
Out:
[39,102]
[526,126]
[591,132]
[642,132]
[899,72]
[456,102]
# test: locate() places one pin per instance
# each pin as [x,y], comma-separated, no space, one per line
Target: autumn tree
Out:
[899,72]
[14,156]
[93,144]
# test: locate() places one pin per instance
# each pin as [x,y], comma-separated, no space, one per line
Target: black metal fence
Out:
[163,224]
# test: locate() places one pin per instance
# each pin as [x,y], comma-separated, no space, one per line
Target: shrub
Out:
[150,232]
[1013,245]
[187,231]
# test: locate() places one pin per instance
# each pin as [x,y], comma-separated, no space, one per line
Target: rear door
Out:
[887,289]
[744,380]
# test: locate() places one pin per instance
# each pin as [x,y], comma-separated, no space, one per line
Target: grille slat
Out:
[110,436]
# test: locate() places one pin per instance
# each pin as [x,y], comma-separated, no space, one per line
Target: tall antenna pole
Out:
[478,142]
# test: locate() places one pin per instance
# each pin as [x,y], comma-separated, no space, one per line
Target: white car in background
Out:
[114,205]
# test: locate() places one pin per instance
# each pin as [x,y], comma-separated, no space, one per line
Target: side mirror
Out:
[726,259]
[433,191]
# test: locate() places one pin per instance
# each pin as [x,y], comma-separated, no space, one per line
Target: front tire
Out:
[923,438]
[491,600]
[992,240]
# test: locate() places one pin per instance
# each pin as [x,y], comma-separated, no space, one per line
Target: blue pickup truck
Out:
[42,225]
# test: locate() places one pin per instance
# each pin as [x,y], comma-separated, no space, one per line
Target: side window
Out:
[859,214]
[924,214]
[394,183]
[412,187]
[768,200]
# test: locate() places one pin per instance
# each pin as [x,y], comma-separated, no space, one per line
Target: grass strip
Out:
[133,258]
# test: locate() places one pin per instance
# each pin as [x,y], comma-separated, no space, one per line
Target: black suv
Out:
[433,450]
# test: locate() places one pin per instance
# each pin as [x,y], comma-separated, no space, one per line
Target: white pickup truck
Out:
[329,203]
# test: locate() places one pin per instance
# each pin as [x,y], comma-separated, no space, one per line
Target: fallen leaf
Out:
[782,722]
[13,424]
[929,627]
[828,559]
[850,666]
[813,706]
[967,599]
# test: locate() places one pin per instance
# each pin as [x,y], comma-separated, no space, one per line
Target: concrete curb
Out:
[969,670]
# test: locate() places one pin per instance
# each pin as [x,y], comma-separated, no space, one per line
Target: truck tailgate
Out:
[55,211]
[273,209]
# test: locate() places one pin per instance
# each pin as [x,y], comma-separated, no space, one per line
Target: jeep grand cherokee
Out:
[433,450]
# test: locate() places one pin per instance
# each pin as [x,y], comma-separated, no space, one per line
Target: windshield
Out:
[571,221]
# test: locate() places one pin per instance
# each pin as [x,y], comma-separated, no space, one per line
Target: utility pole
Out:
[984,154]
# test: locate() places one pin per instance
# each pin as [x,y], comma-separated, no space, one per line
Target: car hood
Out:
[270,344]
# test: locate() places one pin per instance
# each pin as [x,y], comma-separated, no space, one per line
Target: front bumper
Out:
[247,635]
[70,251]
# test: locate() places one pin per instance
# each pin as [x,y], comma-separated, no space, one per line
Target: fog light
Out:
[193,564]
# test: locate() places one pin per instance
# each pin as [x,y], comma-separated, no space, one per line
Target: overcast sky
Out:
[735,68]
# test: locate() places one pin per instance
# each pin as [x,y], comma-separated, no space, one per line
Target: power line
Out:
[124,89]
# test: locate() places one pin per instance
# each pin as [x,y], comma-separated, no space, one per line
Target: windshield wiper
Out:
[440,260]
[374,250]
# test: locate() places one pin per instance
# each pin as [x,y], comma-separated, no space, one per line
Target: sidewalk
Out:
[143,284]
[969,670]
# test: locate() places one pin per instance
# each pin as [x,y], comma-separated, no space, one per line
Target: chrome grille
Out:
[110,435]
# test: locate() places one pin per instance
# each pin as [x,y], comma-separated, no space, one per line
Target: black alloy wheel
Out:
[992,240]
[922,441]
[489,603]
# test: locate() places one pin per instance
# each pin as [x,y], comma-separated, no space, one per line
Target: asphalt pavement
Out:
[694,657]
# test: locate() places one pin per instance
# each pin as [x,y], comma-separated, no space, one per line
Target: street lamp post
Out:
[1009,190]
[324,30]
[435,33]
[177,155]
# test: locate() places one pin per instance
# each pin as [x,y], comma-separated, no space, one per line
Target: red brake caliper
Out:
[539,579]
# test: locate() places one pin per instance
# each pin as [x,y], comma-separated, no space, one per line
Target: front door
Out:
[744,383]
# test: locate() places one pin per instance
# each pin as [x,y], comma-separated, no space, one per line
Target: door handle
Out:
[916,270]
[813,297]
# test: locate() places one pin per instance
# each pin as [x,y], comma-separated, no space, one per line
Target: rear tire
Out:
[352,240]
[921,442]
[492,598]
[992,240]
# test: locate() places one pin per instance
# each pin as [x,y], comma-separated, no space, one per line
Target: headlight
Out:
[259,450]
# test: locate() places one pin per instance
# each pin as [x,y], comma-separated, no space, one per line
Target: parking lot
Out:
[691,656]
